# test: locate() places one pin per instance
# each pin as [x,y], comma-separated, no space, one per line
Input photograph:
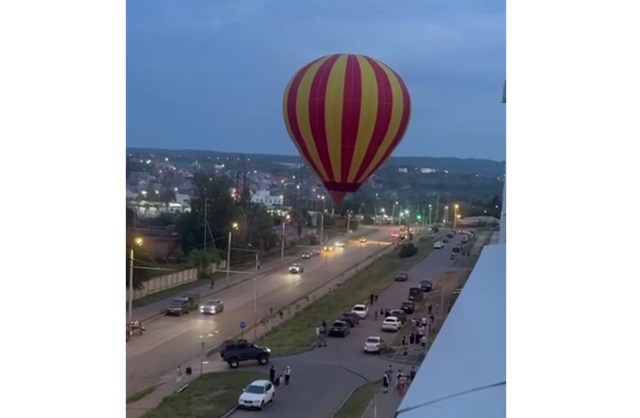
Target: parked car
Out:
[212,306]
[306,256]
[426,285]
[445,241]
[416,294]
[408,307]
[391,324]
[339,329]
[297,268]
[456,249]
[398,313]
[350,318]
[236,351]
[402,276]
[438,245]
[257,395]
[361,310]
[373,344]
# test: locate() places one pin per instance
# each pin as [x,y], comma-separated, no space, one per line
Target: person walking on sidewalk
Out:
[385,382]
[213,282]
[178,374]
[287,375]
[272,374]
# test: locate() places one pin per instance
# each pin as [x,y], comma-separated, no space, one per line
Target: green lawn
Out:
[359,400]
[208,396]
[136,396]
[298,333]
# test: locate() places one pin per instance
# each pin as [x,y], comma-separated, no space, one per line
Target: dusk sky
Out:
[210,75]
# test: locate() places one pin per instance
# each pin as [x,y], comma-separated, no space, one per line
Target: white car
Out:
[361,310]
[391,323]
[296,268]
[373,344]
[257,395]
[341,244]
[438,245]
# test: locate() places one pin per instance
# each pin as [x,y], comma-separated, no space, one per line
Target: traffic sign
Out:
[243,325]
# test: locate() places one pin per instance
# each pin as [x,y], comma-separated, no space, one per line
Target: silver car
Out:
[212,306]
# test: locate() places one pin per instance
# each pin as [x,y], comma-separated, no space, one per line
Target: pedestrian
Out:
[398,379]
[287,375]
[432,318]
[276,382]
[213,282]
[280,380]
[375,315]
[371,299]
[375,298]
[423,341]
[178,374]
[318,332]
[389,372]
[412,374]
[430,308]
[404,340]
[412,338]
[424,321]
[385,383]
[272,374]
[324,324]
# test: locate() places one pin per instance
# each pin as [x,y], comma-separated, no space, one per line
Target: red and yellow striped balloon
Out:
[346,114]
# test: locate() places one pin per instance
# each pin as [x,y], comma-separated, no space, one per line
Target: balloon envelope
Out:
[346,114]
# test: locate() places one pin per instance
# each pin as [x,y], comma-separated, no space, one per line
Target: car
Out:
[350,318]
[297,268]
[257,395]
[438,245]
[341,244]
[182,304]
[426,285]
[408,307]
[363,240]
[361,310]
[339,328]
[446,241]
[415,294]
[327,249]
[391,324]
[465,239]
[212,306]
[373,344]
[449,236]
[398,313]
[402,276]
[306,256]
[236,351]
[455,250]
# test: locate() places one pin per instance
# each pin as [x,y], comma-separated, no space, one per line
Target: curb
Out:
[159,315]
[229,412]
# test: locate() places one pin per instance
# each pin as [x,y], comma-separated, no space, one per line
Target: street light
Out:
[234,226]
[202,349]
[430,212]
[446,215]
[456,216]
[287,217]
[136,241]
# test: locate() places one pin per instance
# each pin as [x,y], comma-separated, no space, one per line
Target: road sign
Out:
[243,325]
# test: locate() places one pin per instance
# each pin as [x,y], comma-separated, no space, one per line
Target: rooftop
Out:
[464,373]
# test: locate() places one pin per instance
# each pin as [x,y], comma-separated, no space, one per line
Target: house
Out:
[264,197]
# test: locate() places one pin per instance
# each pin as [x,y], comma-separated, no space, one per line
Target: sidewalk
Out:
[143,313]
[383,405]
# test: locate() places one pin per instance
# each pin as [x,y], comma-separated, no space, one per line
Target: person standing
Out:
[213,282]
[412,374]
[423,341]
[287,375]
[272,374]
[385,382]
[179,374]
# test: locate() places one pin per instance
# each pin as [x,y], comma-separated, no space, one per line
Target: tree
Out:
[201,260]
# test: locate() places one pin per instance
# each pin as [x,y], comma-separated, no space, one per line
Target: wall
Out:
[165,282]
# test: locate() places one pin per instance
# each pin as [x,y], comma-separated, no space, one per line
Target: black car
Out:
[446,241]
[408,307]
[400,314]
[350,318]
[426,285]
[415,294]
[456,249]
[339,329]
[402,276]
[183,304]
[449,236]
[236,351]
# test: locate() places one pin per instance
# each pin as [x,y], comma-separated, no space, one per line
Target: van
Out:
[415,294]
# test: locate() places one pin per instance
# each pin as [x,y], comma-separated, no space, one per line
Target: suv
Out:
[408,306]
[235,351]
[182,304]
[350,318]
[402,276]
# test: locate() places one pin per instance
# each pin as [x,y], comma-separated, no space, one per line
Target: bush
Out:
[408,250]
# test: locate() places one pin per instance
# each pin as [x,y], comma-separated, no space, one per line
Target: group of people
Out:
[401,380]
[282,379]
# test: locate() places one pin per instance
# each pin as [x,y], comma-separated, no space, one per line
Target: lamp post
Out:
[430,214]
[202,349]
[136,241]
[287,217]
[456,216]
[446,216]
[234,226]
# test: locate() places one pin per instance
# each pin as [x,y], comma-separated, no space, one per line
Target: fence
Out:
[165,282]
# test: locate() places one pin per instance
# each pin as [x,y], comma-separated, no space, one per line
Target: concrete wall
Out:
[164,282]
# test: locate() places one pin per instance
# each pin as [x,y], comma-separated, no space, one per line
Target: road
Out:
[170,341]
[323,378]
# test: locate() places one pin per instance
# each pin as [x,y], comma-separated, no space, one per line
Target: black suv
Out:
[408,306]
[235,351]
[339,329]
[350,318]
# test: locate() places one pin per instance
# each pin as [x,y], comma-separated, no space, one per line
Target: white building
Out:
[264,197]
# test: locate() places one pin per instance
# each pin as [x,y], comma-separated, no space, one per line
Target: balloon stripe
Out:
[367,117]
[401,110]
[383,116]
[316,112]
[291,119]
[350,117]
[305,115]
[334,108]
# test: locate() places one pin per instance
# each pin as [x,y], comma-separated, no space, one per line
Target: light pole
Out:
[234,226]
[446,216]
[455,215]
[348,224]
[202,349]
[136,241]
[430,214]
[393,212]
[287,217]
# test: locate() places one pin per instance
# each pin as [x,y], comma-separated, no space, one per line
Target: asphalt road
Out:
[322,379]
[171,341]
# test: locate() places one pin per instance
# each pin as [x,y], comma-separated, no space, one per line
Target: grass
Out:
[359,401]
[136,396]
[208,396]
[298,332]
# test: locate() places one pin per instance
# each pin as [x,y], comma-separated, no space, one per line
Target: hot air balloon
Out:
[346,114]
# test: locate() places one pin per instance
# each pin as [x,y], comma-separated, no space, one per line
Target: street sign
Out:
[243,325]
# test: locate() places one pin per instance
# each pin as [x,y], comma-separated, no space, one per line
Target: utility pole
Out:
[204,238]
[348,224]
[437,208]
[321,230]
